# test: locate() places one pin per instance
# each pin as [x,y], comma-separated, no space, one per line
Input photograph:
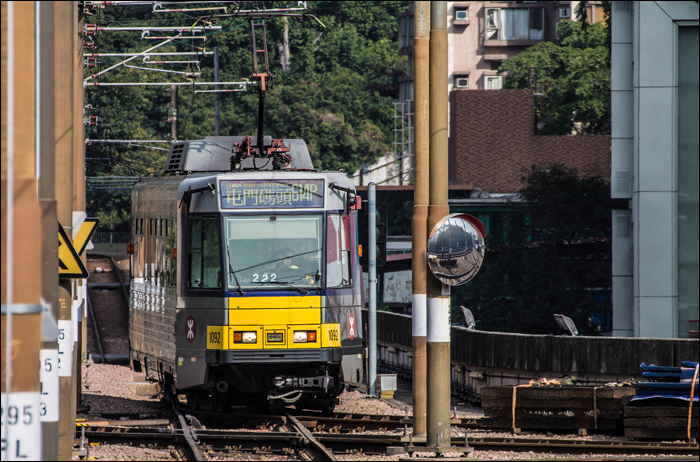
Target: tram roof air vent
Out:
[176,157]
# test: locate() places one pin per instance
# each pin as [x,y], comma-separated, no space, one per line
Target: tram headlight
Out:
[302,336]
[245,337]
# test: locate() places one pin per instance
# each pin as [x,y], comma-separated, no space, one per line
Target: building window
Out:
[492,82]
[688,181]
[514,23]
[461,81]
[461,14]
[564,13]
[493,24]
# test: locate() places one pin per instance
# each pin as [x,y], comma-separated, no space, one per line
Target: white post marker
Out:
[21,426]
[420,316]
[65,347]
[49,406]
[75,311]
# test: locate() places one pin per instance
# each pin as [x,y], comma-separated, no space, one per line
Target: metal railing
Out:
[111,237]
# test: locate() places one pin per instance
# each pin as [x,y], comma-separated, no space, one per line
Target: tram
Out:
[245,276]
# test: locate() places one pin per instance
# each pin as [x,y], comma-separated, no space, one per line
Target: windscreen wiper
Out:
[275,260]
[287,284]
[231,271]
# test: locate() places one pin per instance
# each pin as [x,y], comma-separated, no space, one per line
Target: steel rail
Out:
[189,434]
[95,326]
[318,448]
[109,286]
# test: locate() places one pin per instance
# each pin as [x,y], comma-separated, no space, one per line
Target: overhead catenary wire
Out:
[132,58]
[154,28]
[126,84]
[172,53]
[88,141]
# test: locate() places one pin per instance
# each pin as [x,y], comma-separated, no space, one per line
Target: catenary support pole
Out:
[438,295]
[173,112]
[421,77]
[65,26]
[216,95]
[20,252]
[371,229]
[80,285]
[49,227]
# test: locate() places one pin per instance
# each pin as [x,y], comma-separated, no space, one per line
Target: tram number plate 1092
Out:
[21,426]
[216,337]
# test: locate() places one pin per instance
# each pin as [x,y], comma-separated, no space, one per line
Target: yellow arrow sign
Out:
[87,229]
[69,264]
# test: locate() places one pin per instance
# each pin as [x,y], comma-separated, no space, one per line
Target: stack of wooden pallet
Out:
[554,408]
[660,418]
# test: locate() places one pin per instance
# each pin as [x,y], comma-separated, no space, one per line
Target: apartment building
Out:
[482,34]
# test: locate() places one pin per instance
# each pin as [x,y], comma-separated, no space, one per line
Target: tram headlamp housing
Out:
[302,336]
[245,337]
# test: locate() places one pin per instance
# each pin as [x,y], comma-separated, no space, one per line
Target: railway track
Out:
[108,308]
[315,450]
[294,441]
[333,423]
[189,433]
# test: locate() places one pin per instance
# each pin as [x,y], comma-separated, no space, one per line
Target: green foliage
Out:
[337,94]
[574,72]
[553,255]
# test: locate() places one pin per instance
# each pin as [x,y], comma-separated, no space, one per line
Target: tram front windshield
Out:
[273,251]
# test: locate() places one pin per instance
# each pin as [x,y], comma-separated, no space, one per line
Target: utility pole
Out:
[50,387]
[20,238]
[438,294]
[216,95]
[372,230]
[173,112]
[421,77]
[65,28]
[78,214]
[284,61]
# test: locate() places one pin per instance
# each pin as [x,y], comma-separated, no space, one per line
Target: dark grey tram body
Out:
[246,284]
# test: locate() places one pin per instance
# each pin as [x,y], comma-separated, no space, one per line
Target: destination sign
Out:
[247,194]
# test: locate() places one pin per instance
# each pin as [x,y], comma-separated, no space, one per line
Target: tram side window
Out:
[338,251]
[170,243]
[204,256]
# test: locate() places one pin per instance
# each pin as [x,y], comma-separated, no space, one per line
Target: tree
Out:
[337,74]
[574,74]
[551,255]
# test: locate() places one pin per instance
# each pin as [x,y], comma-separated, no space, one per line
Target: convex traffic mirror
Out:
[456,248]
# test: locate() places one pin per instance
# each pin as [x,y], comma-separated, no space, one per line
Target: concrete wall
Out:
[492,141]
[505,359]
